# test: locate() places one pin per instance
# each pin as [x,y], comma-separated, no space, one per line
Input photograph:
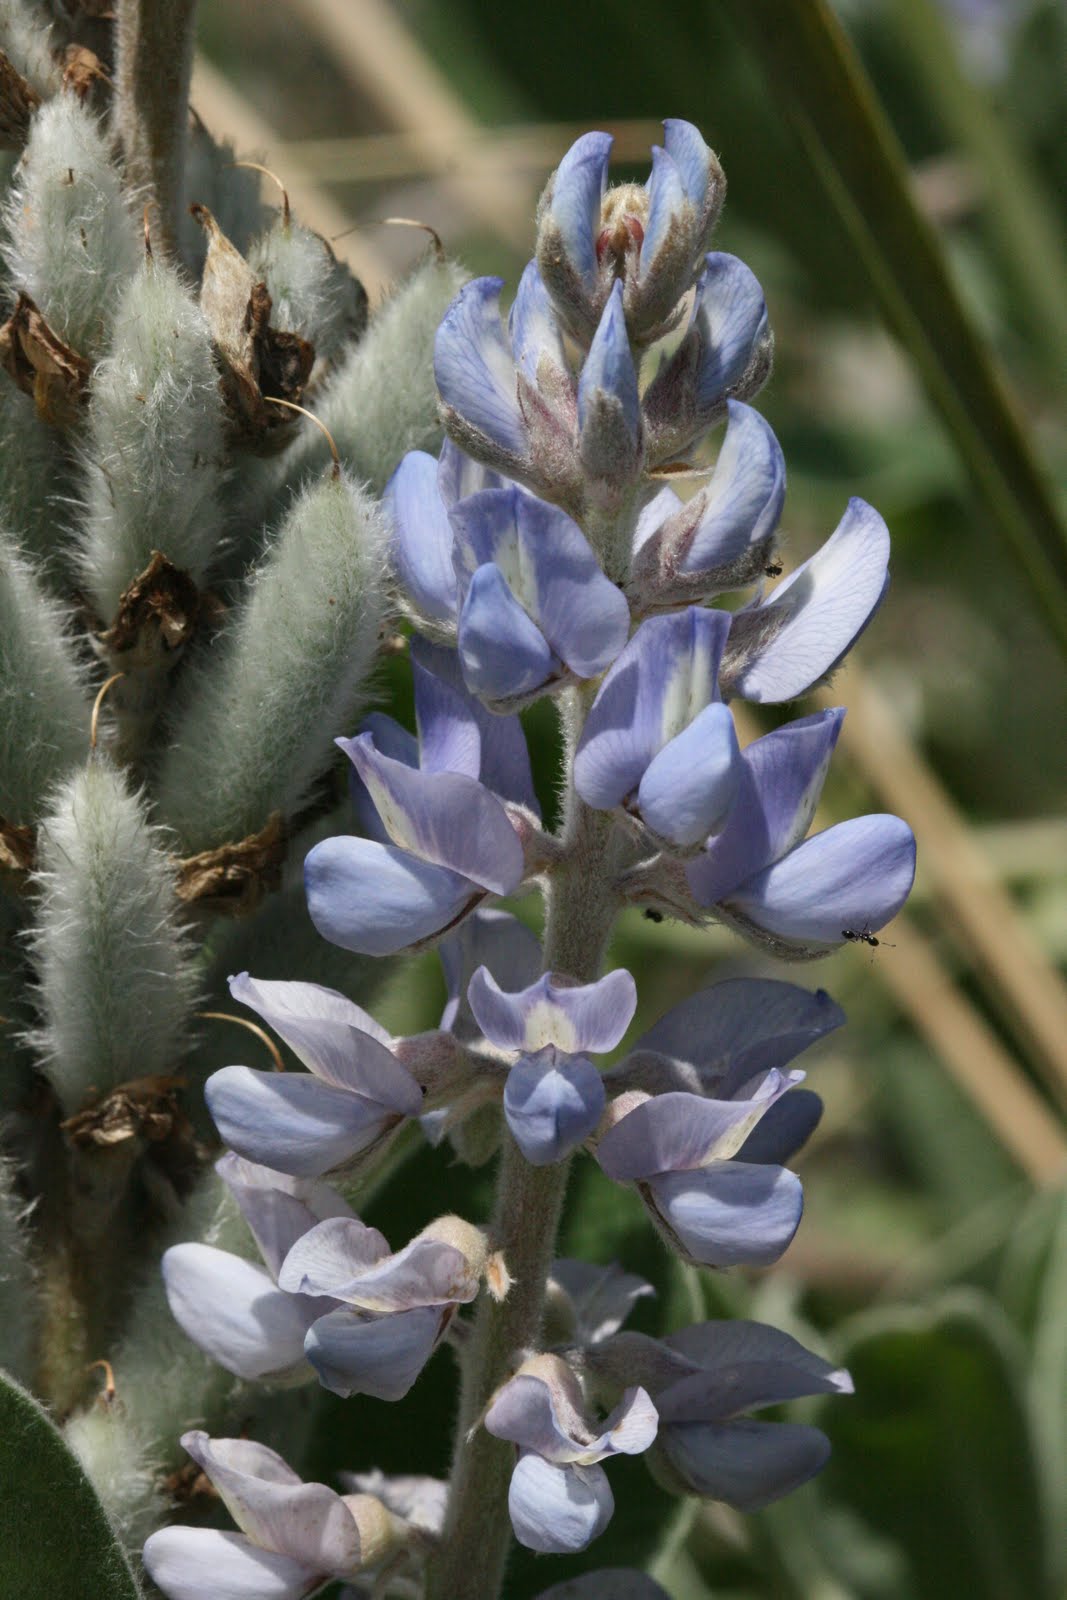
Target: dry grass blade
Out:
[984,916]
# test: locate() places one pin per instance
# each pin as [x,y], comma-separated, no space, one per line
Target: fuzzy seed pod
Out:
[71,243]
[263,706]
[154,452]
[44,709]
[26,40]
[115,979]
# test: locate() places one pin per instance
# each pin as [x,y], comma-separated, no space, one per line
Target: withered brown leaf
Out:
[258,363]
[233,878]
[18,854]
[18,101]
[43,365]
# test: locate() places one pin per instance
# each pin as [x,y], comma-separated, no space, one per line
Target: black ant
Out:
[652,915]
[774,569]
[864,936]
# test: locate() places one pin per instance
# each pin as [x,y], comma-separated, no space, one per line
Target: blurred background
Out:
[898,181]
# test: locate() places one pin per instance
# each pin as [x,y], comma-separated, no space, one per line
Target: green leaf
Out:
[55,1539]
[935,1451]
[819,82]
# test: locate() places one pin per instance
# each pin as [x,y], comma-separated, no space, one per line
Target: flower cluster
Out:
[540,555]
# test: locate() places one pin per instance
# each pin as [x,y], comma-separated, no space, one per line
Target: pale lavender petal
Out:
[660,509]
[556,1509]
[743,1365]
[394,741]
[339,1259]
[379,1356]
[422,536]
[666,197]
[232,1310]
[779,790]
[601,1298]
[729,319]
[577,189]
[504,762]
[458,476]
[277,1207]
[761,1021]
[779,649]
[291,1121]
[444,818]
[533,327]
[694,160]
[788,1125]
[746,1464]
[688,788]
[450,739]
[205,1564]
[338,1040]
[474,367]
[416,1499]
[666,675]
[850,879]
[678,1132]
[588,1016]
[742,503]
[504,654]
[730,1214]
[269,1503]
[327,1258]
[552,1102]
[609,368]
[525,1413]
[489,938]
[375,899]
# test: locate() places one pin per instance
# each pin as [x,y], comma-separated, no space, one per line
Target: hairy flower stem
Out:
[153,66]
[580,911]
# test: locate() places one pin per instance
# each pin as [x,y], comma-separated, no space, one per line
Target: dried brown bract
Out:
[233,878]
[145,1107]
[259,363]
[157,615]
[43,365]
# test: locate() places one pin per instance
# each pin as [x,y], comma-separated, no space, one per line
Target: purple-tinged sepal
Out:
[782,647]
[722,539]
[725,354]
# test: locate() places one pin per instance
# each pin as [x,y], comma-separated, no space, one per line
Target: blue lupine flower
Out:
[451,840]
[657,740]
[560,1498]
[703,1380]
[355,1094]
[797,896]
[592,1301]
[510,580]
[650,238]
[554,1096]
[294,1537]
[232,1308]
[390,1310]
